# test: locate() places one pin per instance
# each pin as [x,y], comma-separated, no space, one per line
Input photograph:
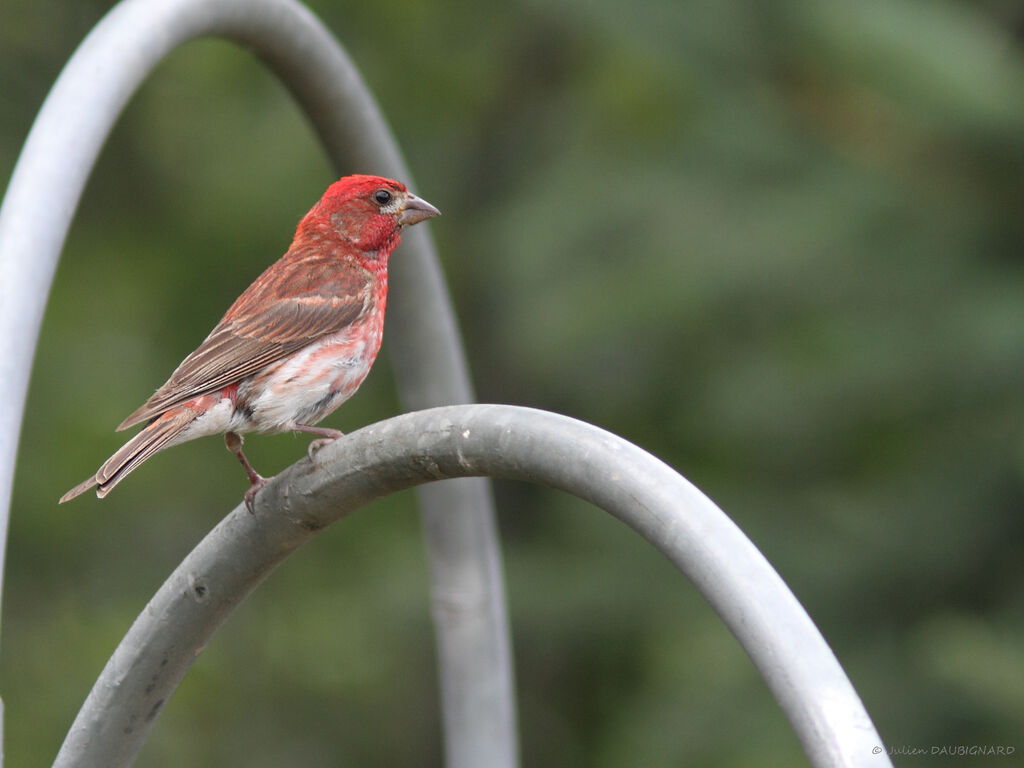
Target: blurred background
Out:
[776,244]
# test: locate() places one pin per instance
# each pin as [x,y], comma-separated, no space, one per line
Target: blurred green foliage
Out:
[777,244]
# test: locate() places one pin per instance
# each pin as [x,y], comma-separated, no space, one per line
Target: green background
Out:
[776,244]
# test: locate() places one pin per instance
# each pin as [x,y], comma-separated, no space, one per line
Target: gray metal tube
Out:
[43,194]
[474,440]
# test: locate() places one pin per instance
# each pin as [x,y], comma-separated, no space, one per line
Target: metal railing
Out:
[456,441]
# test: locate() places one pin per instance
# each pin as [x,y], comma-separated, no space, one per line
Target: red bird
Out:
[294,346]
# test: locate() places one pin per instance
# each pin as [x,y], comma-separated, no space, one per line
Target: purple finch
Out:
[294,346]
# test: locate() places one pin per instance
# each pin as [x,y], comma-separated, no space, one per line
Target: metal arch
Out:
[477,440]
[74,122]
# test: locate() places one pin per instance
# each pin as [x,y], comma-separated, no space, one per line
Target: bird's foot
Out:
[256,481]
[328,436]
[250,495]
[319,443]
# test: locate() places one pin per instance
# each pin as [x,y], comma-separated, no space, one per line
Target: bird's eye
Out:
[383,197]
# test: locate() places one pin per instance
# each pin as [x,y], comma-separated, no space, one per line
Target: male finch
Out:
[294,346]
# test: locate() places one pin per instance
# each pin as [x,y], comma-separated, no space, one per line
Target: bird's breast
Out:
[310,383]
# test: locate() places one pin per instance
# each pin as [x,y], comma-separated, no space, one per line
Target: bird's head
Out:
[368,211]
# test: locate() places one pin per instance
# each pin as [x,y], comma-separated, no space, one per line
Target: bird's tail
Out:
[157,435]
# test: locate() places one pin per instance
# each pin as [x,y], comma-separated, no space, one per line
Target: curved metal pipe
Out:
[475,440]
[47,182]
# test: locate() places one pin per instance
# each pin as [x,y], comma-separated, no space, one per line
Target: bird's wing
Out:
[296,301]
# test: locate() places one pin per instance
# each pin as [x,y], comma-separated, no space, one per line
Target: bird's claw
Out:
[319,443]
[250,495]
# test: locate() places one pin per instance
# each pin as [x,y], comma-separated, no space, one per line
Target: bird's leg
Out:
[233,441]
[327,436]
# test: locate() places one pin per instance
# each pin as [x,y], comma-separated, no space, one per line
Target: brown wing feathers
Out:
[314,296]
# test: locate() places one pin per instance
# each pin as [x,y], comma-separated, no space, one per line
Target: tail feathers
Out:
[156,436]
[79,489]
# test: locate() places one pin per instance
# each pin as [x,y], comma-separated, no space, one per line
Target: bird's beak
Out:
[416,210]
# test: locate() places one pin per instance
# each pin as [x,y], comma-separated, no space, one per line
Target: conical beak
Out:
[416,210]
